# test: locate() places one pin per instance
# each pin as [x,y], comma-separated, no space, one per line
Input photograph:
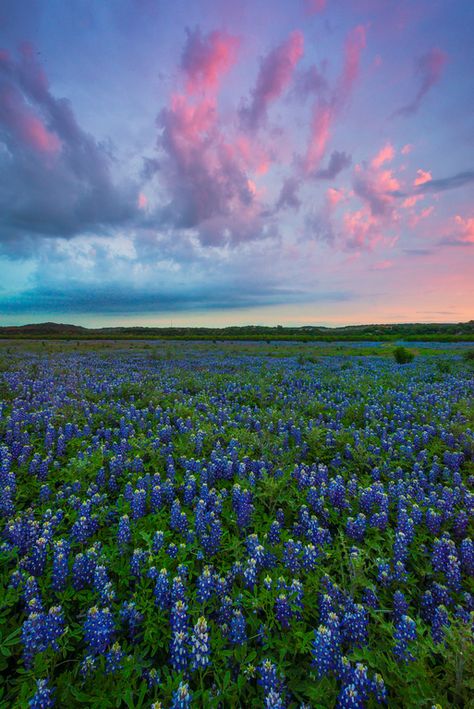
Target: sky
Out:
[201,162]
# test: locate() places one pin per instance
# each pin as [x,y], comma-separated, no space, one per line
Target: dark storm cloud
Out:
[56,178]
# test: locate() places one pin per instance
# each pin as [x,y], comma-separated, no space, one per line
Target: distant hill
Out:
[377,332]
[44,329]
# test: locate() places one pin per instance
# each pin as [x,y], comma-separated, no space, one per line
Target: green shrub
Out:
[402,355]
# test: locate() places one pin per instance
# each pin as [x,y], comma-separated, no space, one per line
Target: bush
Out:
[402,355]
[468,355]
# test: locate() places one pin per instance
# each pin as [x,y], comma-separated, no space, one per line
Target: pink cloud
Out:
[314,6]
[411,201]
[354,45]
[386,154]
[142,201]
[361,229]
[465,229]
[206,174]
[206,59]
[256,157]
[333,197]
[326,112]
[407,149]
[375,187]
[382,265]
[423,176]
[21,120]
[274,77]
[415,219]
[319,136]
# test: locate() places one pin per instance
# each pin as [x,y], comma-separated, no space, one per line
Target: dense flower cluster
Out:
[188,519]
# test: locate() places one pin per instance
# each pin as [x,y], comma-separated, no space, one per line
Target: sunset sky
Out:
[203,162]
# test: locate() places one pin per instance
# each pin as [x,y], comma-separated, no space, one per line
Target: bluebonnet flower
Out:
[273,687]
[296,593]
[102,584]
[43,697]
[205,585]
[88,666]
[211,542]
[238,630]
[41,630]
[310,557]
[400,606]
[439,623]
[467,555]
[113,659]
[250,573]
[152,677]
[178,590]
[83,571]
[379,689]
[461,523]
[369,598]
[60,571]
[355,625]
[37,560]
[172,550]
[433,521]
[156,498]
[181,697]
[138,504]
[225,614]
[242,504]
[453,572]
[99,629]
[179,650]
[158,541]
[274,533]
[356,528]
[179,617]
[283,611]
[200,646]
[326,607]
[85,526]
[138,560]
[124,534]
[291,555]
[400,547]
[400,573]
[349,698]
[405,631]
[162,590]
[268,676]
[326,648]
[441,594]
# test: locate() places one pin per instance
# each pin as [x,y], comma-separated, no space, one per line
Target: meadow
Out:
[240,524]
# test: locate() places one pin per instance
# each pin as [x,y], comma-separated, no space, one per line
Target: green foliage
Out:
[402,355]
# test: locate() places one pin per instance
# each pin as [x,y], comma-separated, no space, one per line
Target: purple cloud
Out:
[338,162]
[205,59]
[57,179]
[428,69]
[288,197]
[276,72]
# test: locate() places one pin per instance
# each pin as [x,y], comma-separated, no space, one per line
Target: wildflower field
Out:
[199,525]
